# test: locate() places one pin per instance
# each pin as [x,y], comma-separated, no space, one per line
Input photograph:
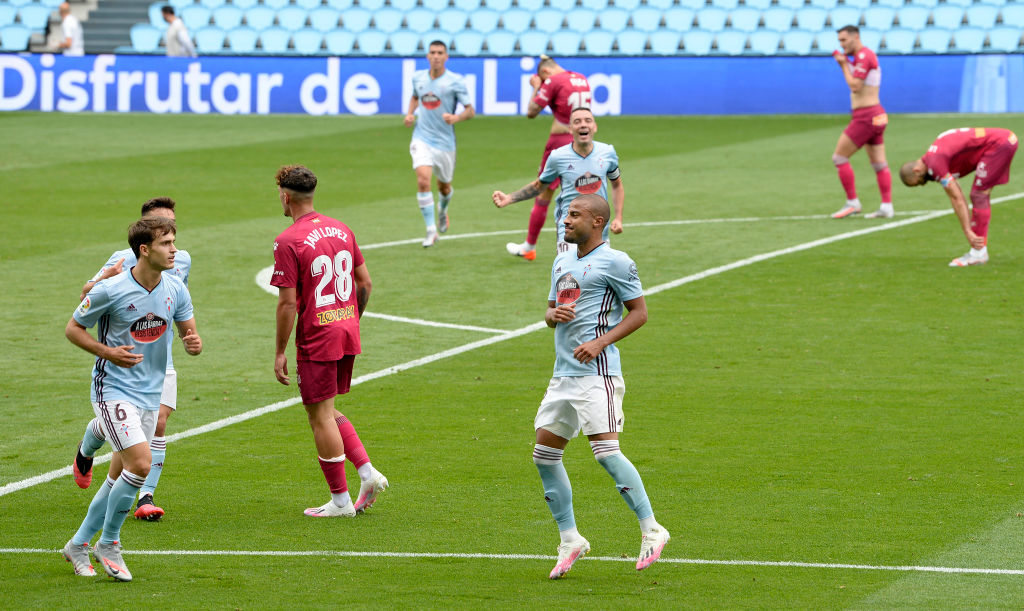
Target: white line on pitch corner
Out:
[219,424]
[482,556]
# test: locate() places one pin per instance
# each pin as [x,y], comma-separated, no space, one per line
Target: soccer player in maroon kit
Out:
[987,152]
[562,91]
[867,125]
[320,273]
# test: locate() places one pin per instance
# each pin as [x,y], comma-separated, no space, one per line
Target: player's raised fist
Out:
[501,199]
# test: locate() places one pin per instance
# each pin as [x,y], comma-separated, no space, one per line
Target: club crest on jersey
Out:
[567,289]
[148,329]
[588,184]
[430,101]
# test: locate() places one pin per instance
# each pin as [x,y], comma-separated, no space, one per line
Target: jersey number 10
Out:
[340,271]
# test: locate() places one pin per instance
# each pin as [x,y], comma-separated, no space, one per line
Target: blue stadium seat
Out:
[726,4]
[356,19]
[341,5]
[145,38]
[14,38]
[562,5]
[811,18]
[462,5]
[744,19]
[712,18]
[34,16]
[370,5]
[53,4]
[599,42]
[227,16]
[871,38]
[1004,38]
[934,40]
[594,5]
[778,19]
[627,5]
[581,19]
[665,42]
[498,5]
[243,39]
[646,19]
[613,19]
[730,42]
[275,4]
[982,15]
[1013,15]
[860,4]
[484,20]
[764,42]
[418,20]
[960,3]
[339,42]
[211,4]
[761,5]
[548,20]
[825,4]
[195,16]
[405,43]
[827,41]
[900,40]
[156,16]
[275,40]
[698,42]
[893,4]
[516,20]
[452,20]
[501,43]
[308,4]
[631,42]
[307,41]
[879,17]
[533,42]
[292,18]
[431,35]
[947,17]
[913,17]
[388,20]
[566,43]
[530,5]
[209,40]
[468,42]
[842,16]
[403,5]
[679,18]
[797,42]
[796,5]
[260,17]
[969,40]
[324,18]
[694,4]
[372,42]
[661,5]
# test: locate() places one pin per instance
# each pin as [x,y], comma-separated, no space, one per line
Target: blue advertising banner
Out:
[499,86]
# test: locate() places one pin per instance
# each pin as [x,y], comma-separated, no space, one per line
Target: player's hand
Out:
[281,369]
[588,351]
[193,343]
[564,313]
[449,118]
[616,226]
[122,356]
[409,120]
[501,199]
[535,82]
[840,57]
[113,270]
[976,240]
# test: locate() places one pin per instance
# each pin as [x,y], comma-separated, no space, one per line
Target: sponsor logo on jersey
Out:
[327,317]
[430,101]
[84,306]
[588,184]
[275,245]
[316,220]
[567,289]
[148,329]
[132,308]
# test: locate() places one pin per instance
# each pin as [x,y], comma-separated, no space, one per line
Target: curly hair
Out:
[297,178]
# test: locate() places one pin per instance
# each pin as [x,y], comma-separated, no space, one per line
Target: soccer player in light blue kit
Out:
[435,93]
[93,438]
[134,311]
[585,167]
[589,289]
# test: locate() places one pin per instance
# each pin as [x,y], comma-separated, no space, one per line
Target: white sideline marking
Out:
[219,424]
[449,555]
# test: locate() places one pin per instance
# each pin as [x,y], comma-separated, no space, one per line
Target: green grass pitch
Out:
[853,405]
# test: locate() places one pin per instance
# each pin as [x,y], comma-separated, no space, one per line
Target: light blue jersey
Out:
[598,284]
[580,175]
[436,97]
[182,268]
[128,315]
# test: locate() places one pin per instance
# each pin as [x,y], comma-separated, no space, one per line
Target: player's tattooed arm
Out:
[502,199]
[363,287]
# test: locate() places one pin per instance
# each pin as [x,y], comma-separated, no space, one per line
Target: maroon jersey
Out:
[317,256]
[956,152]
[865,67]
[563,92]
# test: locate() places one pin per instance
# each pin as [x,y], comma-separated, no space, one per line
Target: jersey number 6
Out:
[339,270]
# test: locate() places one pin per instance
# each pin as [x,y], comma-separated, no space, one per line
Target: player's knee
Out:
[980,199]
[880,167]
[839,159]
[605,449]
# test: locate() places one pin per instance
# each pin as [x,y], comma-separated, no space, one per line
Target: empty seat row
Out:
[33,16]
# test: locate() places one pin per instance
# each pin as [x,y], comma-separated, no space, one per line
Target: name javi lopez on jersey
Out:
[324,232]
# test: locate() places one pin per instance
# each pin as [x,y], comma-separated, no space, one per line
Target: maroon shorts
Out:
[555,141]
[994,166]
[321,380]
[867,125]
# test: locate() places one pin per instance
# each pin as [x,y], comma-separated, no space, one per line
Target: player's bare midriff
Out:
[558,127]
[867,96]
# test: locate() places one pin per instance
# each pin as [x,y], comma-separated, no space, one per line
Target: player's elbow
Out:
[468,114]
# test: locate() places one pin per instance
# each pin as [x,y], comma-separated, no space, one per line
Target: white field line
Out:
[219,424]
[464,556]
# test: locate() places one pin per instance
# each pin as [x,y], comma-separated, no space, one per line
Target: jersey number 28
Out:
[340,271]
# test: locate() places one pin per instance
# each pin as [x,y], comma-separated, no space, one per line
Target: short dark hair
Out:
[297,178]
[147,229]
[438,42]
[545,62]
[849,29]
[167,9]
[586,108]
[157,202]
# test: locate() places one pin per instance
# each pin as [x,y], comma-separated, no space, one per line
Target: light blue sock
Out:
[557,489]
[626,477]
[446,199]
[93,438]
[93,521]
[426,202]
[122,494]
[158,448]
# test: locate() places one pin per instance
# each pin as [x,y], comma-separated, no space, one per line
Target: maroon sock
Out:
[334,473]
[847,180]
[885,184]
[354,450]
[538,216]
